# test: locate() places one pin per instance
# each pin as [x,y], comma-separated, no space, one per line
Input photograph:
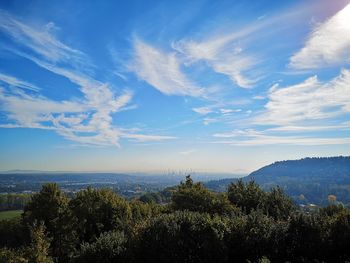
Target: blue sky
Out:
[156,86]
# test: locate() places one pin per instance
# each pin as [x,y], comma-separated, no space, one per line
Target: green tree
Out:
[13,234]
[151,198]
[305,237]
[50,206]
[339,240]
[143,211]
[278,205]
[246,196]
[183,236]
[254,236]
[12,256]
[109,247]
[38,251]
[98,211]
[195,197]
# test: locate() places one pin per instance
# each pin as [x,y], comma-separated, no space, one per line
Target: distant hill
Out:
[336,169]
[308,180]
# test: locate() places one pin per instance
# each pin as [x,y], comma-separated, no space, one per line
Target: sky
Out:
[163,86]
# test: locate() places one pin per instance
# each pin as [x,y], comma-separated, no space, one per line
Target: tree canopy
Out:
[244,224]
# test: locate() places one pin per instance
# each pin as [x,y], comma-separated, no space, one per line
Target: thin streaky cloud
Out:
[40,40]
[292,140]
[222,55]
[328,44]
[203,110]
[12,81]
[88,120]
[309,100]
[162,71]
[187,152]
[251,137]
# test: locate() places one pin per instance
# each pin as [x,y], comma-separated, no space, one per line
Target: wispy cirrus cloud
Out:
[307,113]
[223,54]
[188,152]
[309,100]
[252,137]
[14,82]
[328,44]
[41,41]
[87,120]
[162,70]
[203,110]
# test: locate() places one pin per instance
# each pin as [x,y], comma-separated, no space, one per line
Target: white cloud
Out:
[187,152]
[203,110]
[162,71]
[207,121]
[258,97]
[328,44]
[147,138]
[303,114]
[340,127]
[228,111]
[12,81]
[309,100]
[223,55]
[256,138]
[40,40]
[87,120]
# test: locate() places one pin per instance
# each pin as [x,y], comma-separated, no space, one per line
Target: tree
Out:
[50,206]
[12,256]
[109,247]
[151,198]
[143,211]
[183,236]
[305,237]
[246,196]
[38,251]
[195,197]
[340,236]
[254,236]
[278,205]
[13,234]
[98,211]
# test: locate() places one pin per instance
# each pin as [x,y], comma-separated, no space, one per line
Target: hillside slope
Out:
[308,180]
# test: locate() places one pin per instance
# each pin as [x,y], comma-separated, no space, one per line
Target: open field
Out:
[10,214]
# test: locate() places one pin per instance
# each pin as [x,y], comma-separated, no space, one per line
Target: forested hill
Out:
[308,180]
[336,169]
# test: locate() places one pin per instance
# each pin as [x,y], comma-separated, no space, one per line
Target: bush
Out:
[109,247]
[183,237]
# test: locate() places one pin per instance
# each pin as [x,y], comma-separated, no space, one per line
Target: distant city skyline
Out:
[155,86]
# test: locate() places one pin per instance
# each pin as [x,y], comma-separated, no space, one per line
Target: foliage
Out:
[183,236]
[36,252]
[108,247]
[254,236]
[245,224]
[320,181]
[98,211]
[277,204]
[13,233]
[50,206]
[195,197]
[246,196]
[13,201]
